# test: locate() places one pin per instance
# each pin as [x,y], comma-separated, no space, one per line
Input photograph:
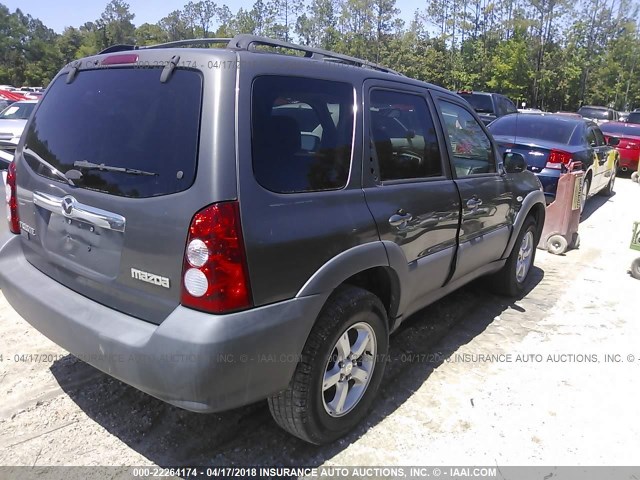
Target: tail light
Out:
[12,199]
[557,159]
[215,277]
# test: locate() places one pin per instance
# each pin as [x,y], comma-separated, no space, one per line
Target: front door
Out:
[486,200]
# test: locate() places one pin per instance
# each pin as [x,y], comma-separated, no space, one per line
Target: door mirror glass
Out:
[514,163]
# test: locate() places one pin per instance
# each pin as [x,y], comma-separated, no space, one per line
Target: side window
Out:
[403,136]
[509,106]
[470,145]
[302,131]
[599,137]
[591,137]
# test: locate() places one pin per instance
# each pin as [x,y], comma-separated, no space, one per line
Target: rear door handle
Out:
[400,219]
[474,202]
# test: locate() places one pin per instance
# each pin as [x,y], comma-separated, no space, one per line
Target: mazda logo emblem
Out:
[67,205]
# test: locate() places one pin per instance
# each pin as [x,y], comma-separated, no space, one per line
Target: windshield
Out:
[479,101]
[634,117]
[599,113]
[122,118]
[550,129]
[17,111]
[620,129]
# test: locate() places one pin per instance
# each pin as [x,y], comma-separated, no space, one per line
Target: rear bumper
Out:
[628,160]
[196,361]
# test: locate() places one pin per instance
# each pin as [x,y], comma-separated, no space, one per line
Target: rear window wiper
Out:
[109,168]
[31,154]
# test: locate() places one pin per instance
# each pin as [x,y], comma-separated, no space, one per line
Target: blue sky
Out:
[57,14]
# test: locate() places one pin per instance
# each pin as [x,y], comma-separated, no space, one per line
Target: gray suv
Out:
[218,226]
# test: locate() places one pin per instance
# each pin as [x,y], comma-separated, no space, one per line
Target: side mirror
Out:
[613,141]
[514,163]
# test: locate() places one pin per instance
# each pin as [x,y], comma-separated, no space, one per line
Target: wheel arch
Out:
[366,266]
[532,205]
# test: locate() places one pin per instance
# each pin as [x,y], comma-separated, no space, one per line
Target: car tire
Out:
[586,184]
[511,279]
[575,241]
[635,268]
[325,399]
[608,190]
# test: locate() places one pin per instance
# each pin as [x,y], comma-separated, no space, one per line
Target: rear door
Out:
[113,235]
[486,201]
[407,186]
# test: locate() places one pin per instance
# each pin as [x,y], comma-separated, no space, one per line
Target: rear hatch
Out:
[129,144]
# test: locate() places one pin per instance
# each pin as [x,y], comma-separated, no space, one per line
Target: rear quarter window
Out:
[120,117]
[302,133]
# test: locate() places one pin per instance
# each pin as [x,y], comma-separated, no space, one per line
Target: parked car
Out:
[550,142]
[622,116]
[598,115]
[489,106]
[174,231]
[634,117]
[12,122]
[629,146]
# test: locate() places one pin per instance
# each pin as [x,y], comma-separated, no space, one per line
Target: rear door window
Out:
[302,133]
[122,118]
[403,136]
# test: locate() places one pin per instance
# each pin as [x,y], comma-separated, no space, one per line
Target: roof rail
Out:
[193,41]
[249,42]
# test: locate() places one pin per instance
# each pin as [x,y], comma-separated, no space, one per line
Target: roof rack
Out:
[250,42]
[193,41]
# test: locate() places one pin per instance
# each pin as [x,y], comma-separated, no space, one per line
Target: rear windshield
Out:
[479,101]
[539,127]
[600,114]
[621,129]
[123,118]
[17,111]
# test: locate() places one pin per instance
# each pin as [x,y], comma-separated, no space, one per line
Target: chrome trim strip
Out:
[69,207]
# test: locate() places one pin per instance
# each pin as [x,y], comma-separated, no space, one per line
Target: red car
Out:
[629,146]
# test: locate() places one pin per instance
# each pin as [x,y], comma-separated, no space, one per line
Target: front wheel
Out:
[510,280]
[340,370]
[608,190]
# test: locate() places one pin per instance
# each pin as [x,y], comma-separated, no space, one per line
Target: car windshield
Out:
[620,129]
[550,129]
[479,101]
[17,111]
[634,117]
[599,113]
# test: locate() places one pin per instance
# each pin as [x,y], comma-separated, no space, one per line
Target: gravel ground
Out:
[546,396]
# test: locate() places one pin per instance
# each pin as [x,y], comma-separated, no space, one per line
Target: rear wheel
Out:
[339,374]
[585,193]
[510,280]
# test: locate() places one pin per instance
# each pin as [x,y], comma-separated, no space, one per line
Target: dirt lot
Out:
[547,396]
